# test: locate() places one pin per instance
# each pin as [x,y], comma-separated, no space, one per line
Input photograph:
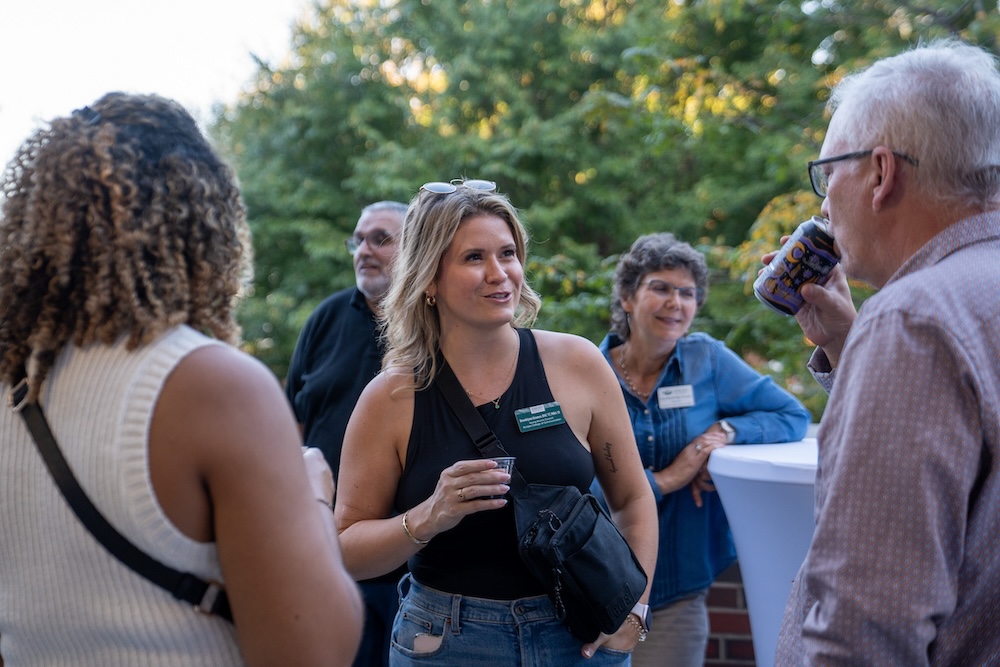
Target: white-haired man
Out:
[904,567]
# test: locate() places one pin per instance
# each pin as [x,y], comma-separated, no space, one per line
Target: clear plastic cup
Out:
[505,463]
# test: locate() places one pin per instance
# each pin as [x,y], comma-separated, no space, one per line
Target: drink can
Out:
[807,257]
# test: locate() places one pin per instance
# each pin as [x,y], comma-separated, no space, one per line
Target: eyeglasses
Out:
[378,240]
[667,290]
[820,180]
[443,188]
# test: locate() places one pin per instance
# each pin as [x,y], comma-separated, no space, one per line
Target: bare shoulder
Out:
[219,416]
[223,381]
[222,364]
[579,377]
[559,343]
[225,402]
[383,413]
[388,393]
[563,352]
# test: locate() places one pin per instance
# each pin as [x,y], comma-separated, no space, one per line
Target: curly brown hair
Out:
[649,253]
[119,221]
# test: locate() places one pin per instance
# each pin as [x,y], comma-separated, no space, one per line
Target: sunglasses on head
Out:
[446,188]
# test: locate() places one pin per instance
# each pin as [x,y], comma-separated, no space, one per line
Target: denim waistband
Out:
[459,607]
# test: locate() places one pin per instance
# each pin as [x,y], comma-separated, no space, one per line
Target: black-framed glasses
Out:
[667,290]
[446,188]
[378,240]
[820,180]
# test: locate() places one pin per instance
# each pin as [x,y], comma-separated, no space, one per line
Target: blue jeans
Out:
[435,628]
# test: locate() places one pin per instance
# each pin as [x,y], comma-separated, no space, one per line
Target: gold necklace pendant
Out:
[495,401]
[509,377]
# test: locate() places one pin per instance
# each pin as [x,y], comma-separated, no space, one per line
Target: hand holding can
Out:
[807,256]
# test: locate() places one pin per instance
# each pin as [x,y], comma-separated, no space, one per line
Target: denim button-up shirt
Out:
[695,543]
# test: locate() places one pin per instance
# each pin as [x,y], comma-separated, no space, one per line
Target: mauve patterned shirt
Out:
[904,567]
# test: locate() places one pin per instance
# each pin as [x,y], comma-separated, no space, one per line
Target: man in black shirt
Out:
[335,357]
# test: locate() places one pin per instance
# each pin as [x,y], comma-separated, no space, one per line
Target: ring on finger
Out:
[697,447]
[461,494]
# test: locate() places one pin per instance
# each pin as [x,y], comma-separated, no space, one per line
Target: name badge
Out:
[681,396]
[539,416]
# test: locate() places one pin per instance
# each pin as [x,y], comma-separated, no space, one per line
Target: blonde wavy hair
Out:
[411,328]
[119,221]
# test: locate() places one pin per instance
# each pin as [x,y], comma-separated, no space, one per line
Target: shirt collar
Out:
[969,231]
[359,302]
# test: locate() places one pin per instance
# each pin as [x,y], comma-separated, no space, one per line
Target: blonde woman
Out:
[412,485]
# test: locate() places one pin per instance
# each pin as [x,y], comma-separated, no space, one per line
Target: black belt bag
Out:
[571,545]
[565,538]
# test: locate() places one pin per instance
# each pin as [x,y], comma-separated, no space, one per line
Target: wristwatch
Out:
[729,431]
[641,611]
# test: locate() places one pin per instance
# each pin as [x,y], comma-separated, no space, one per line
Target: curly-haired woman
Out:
[123,242]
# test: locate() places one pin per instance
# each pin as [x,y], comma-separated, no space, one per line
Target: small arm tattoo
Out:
[607,455]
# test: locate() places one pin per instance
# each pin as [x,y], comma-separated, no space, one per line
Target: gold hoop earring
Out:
[430,301]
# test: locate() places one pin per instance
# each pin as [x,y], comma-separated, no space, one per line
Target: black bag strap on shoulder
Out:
[206,597]
[483,437]
[565,539]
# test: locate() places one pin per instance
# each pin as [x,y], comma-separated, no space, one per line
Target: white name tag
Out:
[681,396]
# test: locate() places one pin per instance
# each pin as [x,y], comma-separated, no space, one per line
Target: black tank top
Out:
[478,557]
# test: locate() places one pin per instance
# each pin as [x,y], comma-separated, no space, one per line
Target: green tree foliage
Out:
[602,119]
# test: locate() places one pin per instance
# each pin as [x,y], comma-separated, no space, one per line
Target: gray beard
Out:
[373,288]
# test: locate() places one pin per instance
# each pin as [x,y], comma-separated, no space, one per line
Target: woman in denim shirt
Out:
[686,395]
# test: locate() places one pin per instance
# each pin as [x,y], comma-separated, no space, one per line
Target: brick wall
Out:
[729,642]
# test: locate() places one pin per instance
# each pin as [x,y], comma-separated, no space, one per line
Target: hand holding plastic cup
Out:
[505,463]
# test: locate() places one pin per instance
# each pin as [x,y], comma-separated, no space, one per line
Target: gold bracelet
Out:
[409,534]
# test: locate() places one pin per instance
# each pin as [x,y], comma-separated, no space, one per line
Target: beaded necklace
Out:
[643,395]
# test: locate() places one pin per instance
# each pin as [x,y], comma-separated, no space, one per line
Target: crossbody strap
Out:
[206,597]
[483,437]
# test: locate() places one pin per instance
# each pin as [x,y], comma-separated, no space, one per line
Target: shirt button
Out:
[645,412]
[649,438]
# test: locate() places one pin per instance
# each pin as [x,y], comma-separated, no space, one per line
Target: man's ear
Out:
[885,170]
